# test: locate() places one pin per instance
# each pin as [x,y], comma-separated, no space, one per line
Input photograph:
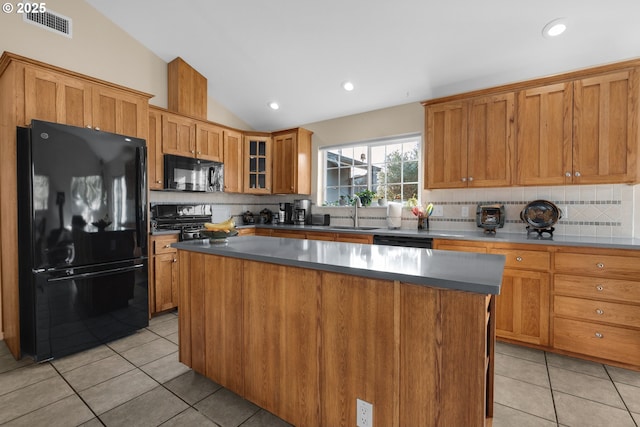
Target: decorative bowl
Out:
[541,214]
[215,235]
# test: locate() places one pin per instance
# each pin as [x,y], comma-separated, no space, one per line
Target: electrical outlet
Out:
[364,413]
[565,211]
[438,210]
[465,212]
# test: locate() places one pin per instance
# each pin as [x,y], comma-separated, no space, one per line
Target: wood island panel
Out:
[315,341]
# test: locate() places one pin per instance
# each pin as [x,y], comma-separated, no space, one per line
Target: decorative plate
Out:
[541,214]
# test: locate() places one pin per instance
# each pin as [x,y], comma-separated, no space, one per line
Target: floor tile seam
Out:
[80,366]
[30,384]
[580,372]
[615,386]
[553,398]
[45,406]
[135,346]
[521,358]
[146,362]
[169,354]
[525,412]
[524,382]
[78,391]
[594,401]
[94,361]
[84,402]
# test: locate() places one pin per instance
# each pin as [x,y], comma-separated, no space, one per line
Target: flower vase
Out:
[423,223]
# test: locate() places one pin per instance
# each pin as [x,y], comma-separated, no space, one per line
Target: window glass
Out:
[390,168]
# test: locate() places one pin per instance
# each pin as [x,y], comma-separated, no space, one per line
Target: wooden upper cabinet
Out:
[257,164]
[209,141]
[155,160]
[470,143]
[233,161]
[446,145]
[545,135]
[605,128]
[178,135]
[490,144]
[292,162]
[119,112]
[59,98]
[53,97]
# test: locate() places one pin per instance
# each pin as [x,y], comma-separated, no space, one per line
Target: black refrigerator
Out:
[82,232]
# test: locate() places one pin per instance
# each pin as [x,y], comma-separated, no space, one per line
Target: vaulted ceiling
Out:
[299,52]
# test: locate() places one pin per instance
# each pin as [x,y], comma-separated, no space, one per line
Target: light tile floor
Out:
[138,381]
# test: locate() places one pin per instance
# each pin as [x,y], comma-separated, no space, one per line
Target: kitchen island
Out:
[305,328]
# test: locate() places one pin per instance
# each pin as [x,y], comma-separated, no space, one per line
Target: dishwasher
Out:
[406,241]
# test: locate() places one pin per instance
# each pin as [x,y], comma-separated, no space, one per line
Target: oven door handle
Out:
[97,273]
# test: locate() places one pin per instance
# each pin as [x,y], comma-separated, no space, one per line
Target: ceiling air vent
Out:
[51,21]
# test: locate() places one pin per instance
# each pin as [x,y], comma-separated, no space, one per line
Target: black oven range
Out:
[187,219]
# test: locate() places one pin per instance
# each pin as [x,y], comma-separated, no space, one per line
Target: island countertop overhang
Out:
[470,272]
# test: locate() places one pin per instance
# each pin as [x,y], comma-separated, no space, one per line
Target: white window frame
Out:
[392,140]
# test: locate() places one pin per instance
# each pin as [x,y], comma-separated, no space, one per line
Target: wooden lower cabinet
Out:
[522,308]
[163,278]
[596,301]
[305,344]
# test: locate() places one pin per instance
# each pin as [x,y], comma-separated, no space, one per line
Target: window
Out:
[390,168]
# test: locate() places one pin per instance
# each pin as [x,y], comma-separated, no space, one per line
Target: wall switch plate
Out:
[465,212]
[438,210]
[364,413]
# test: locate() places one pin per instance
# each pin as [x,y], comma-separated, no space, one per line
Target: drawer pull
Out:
[599,311]
[600,265]
[175,260]
[167,246]
[598,335]
[519,259]
[599,288]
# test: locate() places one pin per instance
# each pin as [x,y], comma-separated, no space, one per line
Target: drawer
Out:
[162,245]
[598,265]
[320,235]
[597,311]
[529,260]
[607,342]
[596,287]
[289,234]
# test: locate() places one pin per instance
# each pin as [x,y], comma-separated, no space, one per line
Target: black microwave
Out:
[189,174]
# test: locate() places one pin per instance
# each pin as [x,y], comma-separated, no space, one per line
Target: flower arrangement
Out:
[422,212]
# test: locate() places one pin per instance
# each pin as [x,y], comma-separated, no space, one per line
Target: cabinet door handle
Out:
[598,335]
[599,311]
[464,179]
[577,174]
[519,259]
[599,288]
[600,265]
[97,128]
[567,174]
[470,178]
[158,182]
[175,260]
[193,151]
[199,152]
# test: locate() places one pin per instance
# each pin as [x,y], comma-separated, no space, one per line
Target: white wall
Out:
[99,49]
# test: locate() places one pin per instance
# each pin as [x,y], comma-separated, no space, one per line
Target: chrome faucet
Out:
[357,203]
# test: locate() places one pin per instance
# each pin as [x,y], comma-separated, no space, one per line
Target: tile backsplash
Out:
[588,210]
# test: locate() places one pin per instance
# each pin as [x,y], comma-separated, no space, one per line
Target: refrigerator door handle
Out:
[96,273]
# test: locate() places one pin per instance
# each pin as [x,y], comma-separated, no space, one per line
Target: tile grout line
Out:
[553,398]
[620,394]
[78,395]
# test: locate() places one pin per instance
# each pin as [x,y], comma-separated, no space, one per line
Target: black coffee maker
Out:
[286,213]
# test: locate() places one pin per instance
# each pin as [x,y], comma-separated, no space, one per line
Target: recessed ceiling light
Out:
[555,28]
[274,105]
[348,86]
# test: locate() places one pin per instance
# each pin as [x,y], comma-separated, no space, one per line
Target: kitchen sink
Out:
[351,227]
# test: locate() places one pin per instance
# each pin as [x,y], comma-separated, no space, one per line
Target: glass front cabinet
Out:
[257,167]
